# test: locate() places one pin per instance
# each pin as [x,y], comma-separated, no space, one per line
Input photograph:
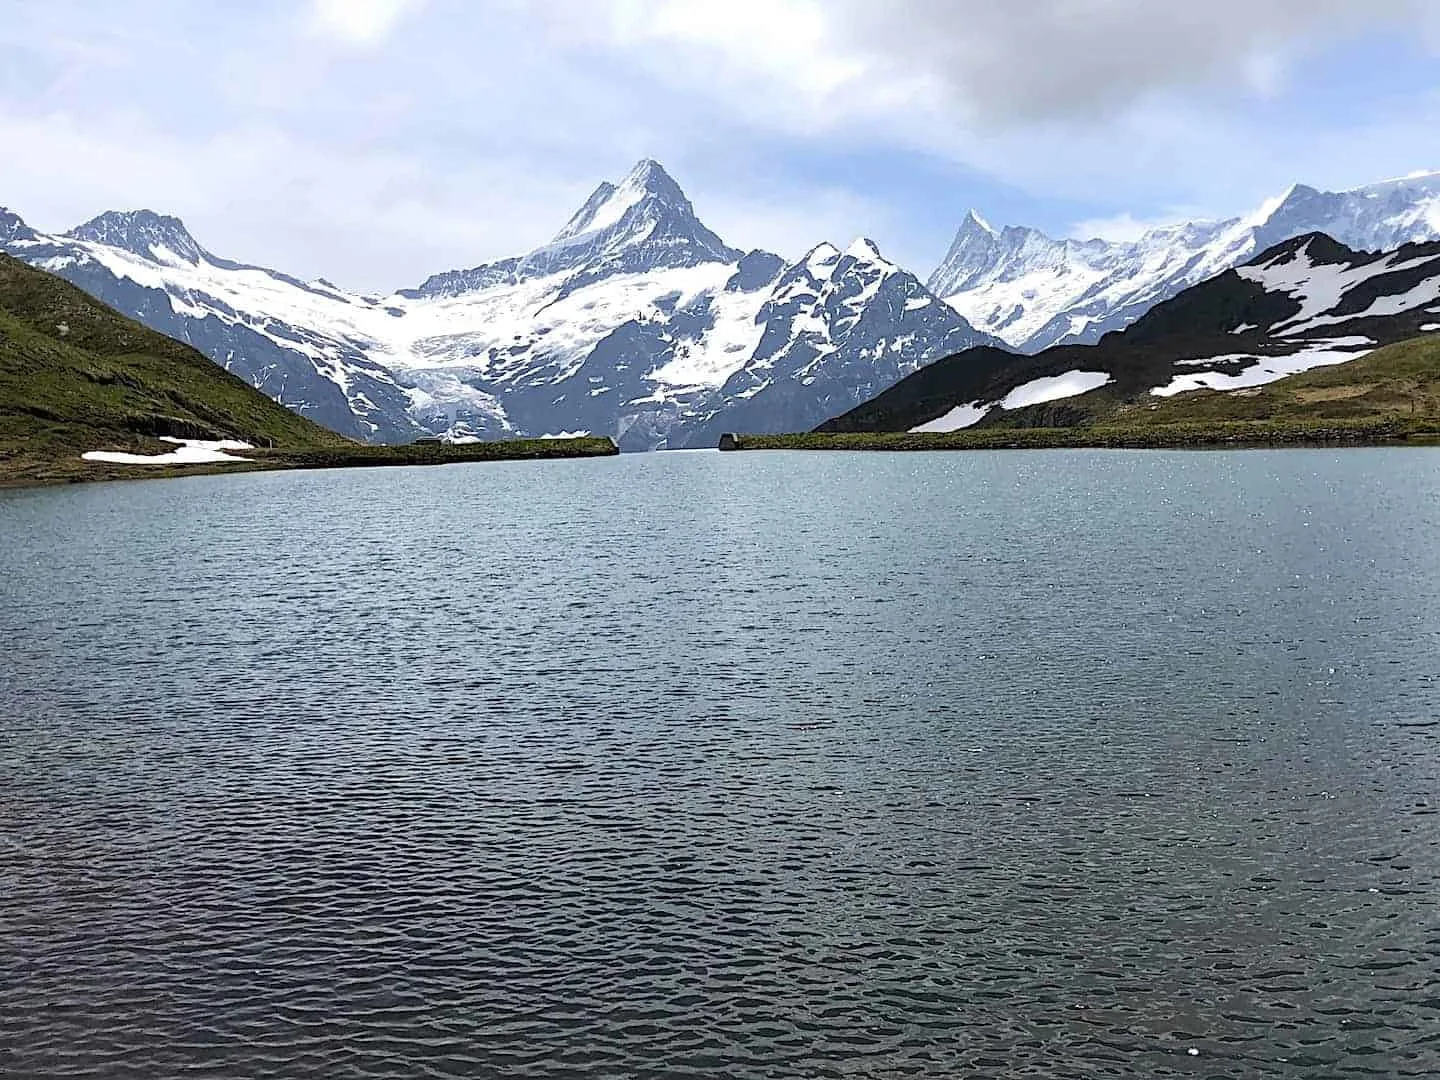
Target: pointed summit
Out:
[974,223]
[865,249]
[1318,248]
[643,223]
[647,188]
[822,254]
[651,175]
[973,250]
[157,237]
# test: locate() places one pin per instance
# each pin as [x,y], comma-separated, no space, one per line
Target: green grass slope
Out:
[1397,382]
[1391,395]
[77,376]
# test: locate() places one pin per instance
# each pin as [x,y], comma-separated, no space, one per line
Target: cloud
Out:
[377,141]
[359,22]
[984,65]
[366,218]
[1122,104]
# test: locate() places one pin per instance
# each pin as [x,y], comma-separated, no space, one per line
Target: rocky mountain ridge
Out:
[634,321]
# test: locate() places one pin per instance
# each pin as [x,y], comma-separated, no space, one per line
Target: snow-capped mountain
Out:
[1304,303]
[635,321]
[306,345]
[643,225]
[839,327]
[1034,291]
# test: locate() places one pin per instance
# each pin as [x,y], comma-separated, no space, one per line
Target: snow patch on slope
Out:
[1035,392]
[958,418]
[1265,369]
[186,452]
[1320,287]
[1055,388]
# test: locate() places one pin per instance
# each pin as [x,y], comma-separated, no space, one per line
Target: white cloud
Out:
[1112,102]
[981,64]
[364,218]
[442,134]
[359,22]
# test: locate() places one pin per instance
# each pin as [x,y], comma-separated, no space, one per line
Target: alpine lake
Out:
[989,765]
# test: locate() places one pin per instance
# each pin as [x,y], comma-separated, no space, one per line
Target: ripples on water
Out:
[1010,765]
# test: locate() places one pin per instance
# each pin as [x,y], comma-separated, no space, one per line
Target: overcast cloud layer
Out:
[377,141]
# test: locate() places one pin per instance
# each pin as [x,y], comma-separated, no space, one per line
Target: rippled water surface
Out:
[953,766]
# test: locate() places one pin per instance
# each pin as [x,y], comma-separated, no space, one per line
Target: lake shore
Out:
[1233,435]
[19,471]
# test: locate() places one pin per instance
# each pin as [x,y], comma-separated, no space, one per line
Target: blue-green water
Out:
[967,765]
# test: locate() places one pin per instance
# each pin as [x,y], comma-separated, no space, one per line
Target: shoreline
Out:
[1236,435]
[39,473]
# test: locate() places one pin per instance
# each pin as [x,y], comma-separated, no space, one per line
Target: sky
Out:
[375,142]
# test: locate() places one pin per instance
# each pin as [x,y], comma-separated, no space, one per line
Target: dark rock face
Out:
[839,328]
[12,228]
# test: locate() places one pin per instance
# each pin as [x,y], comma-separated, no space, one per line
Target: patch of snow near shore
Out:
[1266,369]
[1034,392]
[1055,387]
[958,418]
[567,435]
[186,452]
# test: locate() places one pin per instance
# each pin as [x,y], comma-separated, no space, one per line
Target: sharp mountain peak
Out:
[646,186]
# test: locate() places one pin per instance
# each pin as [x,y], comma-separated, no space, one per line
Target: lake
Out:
[1026,764]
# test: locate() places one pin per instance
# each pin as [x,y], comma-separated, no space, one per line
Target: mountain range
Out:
[639,322]
[1306,303]
[635,321]
[1034,292]
[88,394]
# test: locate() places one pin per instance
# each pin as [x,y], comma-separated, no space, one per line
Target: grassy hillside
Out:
[1400,381]
[77,376]
[1391,395]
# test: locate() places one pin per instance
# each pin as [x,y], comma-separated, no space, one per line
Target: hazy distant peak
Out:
[13,227]
[642,224]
